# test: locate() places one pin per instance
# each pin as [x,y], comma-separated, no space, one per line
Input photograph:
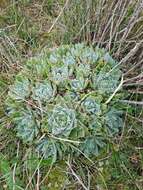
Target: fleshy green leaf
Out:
[60,74]
[91,106]
[20,90]
[114,121]
[78,84]
[43,91]
[62,121]
[92,145]
[46,148]
[26,127]
[106,83]
[83,70]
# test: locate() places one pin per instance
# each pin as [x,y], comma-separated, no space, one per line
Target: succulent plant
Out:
[58,102]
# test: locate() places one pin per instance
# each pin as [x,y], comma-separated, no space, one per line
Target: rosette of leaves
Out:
[58,102]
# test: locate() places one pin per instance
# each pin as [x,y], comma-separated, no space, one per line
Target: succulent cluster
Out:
[58,102]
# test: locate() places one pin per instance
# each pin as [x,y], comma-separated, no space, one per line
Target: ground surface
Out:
[26,27]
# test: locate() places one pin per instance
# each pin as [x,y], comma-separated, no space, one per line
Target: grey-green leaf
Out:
[62,121]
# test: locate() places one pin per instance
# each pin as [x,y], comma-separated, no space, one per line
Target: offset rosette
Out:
[62,121]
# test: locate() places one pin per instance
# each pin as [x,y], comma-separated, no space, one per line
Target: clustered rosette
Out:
[58,102]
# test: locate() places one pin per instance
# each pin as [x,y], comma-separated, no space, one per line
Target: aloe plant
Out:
[58,102]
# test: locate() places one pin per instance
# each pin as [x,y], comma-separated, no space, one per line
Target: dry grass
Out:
[117,25]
